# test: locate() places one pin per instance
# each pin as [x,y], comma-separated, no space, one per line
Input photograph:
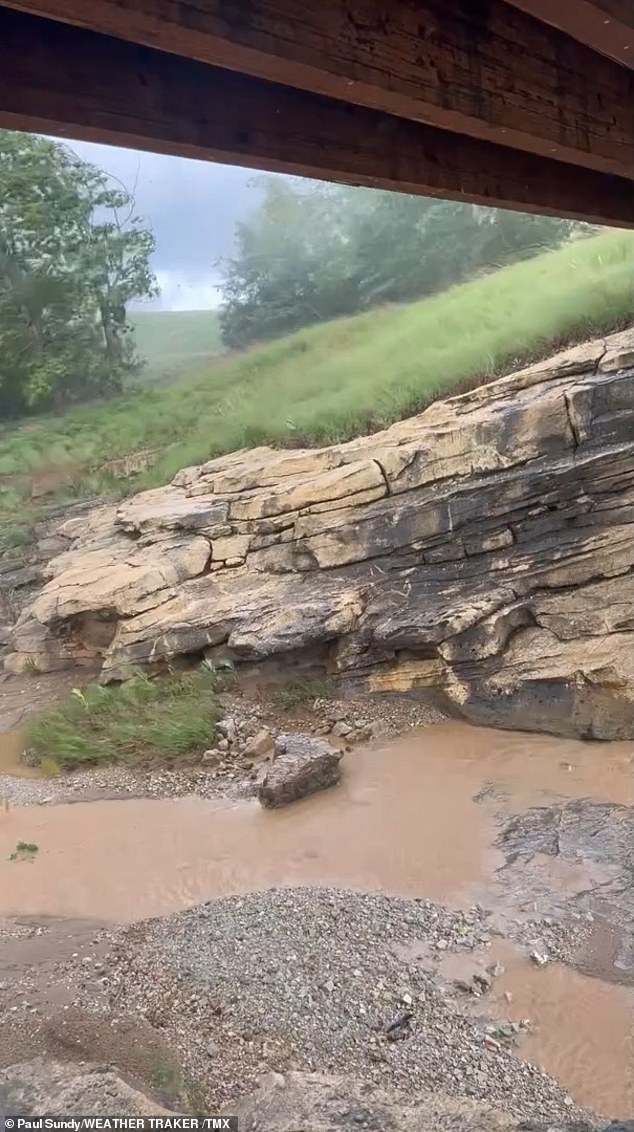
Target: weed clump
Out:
[165,718]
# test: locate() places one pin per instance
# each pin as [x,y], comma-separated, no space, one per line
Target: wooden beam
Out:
[478,67]
[605,25]
[62,80]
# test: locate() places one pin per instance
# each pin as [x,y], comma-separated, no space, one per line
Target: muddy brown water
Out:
[11,751]
[415,817]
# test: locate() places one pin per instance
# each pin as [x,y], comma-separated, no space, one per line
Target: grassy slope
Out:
[340,379]
[173,343]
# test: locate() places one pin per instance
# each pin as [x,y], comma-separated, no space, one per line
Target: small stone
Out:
[464,986]
[407,998]
[228,728]
[363,733]
[223,744]
[442,944]
[491,1044]
[539,958]
[260,744]
[482,981]
[341,729]
[400,1027]
[212,758]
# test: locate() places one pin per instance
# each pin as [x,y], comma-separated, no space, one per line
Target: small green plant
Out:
[24,851]
[165,718]
[50,767]
[295,693]
[196,1097]
[166,1076]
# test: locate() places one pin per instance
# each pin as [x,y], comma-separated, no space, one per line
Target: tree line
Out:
[312,252]
[72,256]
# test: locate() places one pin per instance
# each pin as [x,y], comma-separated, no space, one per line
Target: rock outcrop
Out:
[66,1089]
[319,1103]
[297,1101]
[336,1104]
[480,553]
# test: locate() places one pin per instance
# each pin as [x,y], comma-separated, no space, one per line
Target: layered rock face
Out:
[480,553]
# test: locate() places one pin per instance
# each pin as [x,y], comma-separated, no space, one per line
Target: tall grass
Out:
[168,717]
[334,381]
[173,343]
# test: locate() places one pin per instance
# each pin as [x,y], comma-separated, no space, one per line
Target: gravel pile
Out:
[316,980]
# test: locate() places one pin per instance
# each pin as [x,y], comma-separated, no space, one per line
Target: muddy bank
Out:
[263,702]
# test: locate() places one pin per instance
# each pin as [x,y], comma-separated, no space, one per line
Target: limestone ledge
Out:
[480,553]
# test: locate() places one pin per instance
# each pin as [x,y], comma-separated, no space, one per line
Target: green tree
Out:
[72,256]
[291,266]
[312,252]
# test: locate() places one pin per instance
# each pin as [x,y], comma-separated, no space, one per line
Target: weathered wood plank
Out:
[479,67]
[605,25]
[63,80]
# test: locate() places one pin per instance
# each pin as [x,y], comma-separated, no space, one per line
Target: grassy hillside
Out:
[337,380]
[174,343]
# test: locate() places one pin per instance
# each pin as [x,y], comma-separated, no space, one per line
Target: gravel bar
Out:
[312,979]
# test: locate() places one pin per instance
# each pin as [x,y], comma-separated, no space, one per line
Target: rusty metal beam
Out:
[482,68]
[63,80]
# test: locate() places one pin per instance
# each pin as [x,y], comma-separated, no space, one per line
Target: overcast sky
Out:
[191,206]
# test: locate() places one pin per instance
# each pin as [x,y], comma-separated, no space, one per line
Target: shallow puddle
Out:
[415,817]
[580,1028]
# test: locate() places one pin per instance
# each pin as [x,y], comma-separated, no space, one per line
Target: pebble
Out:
[539,958]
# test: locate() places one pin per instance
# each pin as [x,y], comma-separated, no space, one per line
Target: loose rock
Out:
[302,765]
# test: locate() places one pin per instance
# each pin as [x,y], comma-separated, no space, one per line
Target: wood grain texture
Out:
[605,25]
[62,80]
[482,68]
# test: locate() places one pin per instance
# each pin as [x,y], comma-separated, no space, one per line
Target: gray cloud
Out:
[192,208]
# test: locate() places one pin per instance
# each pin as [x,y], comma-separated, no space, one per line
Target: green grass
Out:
[344,378]
[166,718]
[24,851]
[175,343]
[295,693]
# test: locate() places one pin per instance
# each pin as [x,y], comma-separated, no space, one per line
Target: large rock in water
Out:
[302,765]
[481,553]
